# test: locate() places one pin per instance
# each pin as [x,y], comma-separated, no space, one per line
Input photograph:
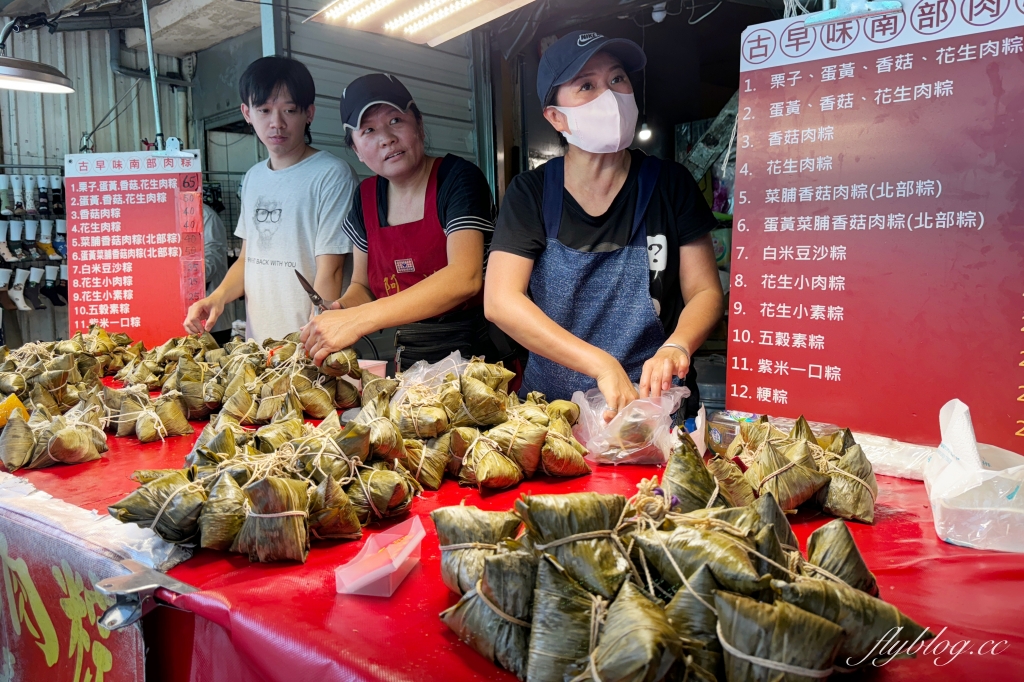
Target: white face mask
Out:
[604,125]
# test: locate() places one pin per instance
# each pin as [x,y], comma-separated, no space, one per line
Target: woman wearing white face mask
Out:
[601,262]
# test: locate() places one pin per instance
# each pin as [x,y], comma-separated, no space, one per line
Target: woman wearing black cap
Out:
[420,227]
[596,253]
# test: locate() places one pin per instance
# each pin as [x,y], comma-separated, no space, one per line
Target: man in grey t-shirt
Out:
[293,206]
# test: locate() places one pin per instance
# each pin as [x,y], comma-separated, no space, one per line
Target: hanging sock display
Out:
[35,281]
[6,196]
[5,300]
[44,195]
[31,195]
[18,193]
[60,241]
[45,243]
[5,251]
[57,191]
[29,245]
[14,242]
[49,289]
[17,292]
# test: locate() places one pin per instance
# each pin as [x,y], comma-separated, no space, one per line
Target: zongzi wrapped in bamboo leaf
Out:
[331,514]
[170,505]
[272,436]
[770,512]
[832,549]
[241,406]
[790,483]
[563,409]
[494,376]
[734,485]
[380,493]
[564,627]
[223,513]
[61,442]
[531,412]
[865,619]
[418,416]
[426,463]
[692,547]
[562,454]
[374,386]
[354,440]
[275,526]
[494,616]
[466,536]
[12,382]
[688,480]
[486,466]
[386,441]
[692,616]
[17,441]
[457,441]
[597,557]
[637,643]
[782,634]
[341,363]
[802,431]
[482,406]
[346,395]
[521,441]
[160,420]
[851,492]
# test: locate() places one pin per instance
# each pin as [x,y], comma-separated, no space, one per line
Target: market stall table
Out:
[284,622]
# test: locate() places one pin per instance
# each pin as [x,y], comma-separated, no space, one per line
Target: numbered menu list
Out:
[878,243]
[135,243]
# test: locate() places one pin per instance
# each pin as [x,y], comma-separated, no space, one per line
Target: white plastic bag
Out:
[890,457]
[974,488]
[638,434]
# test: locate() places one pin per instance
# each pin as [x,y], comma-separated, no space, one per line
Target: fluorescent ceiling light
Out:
[419,21]
[22,74]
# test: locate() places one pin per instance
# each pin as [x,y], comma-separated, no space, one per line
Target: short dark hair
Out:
[417,114]
[265,75]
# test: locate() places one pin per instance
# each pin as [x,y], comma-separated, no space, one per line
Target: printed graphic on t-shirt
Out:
[657,252]
[267,219]
[405,265]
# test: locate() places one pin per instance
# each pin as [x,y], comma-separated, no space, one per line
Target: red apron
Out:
[399,256]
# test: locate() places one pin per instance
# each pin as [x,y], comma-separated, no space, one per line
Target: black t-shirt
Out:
[463,203]
[677,215]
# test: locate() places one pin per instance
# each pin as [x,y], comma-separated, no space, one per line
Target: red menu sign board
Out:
[135,242]
[878,263]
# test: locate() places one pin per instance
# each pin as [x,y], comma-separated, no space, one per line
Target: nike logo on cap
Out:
[587,38]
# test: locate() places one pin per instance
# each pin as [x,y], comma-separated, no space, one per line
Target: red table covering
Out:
[285,622]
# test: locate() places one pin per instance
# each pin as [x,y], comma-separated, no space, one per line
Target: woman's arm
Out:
[453,284]
[702,294]
[507,305]
[358,292]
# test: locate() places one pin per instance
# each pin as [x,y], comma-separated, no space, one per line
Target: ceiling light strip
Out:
[369,10]
[413,14]
[437,16]
[342,7]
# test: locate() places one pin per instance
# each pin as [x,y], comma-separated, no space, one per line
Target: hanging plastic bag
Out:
[974,488]
[639,434]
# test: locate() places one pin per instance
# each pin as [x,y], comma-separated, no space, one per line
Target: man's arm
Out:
[358,292]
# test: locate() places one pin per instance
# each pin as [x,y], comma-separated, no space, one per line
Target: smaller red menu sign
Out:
[135,242]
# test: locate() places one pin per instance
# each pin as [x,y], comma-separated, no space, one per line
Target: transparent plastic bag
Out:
[429,375]
[639,434]
[974,488]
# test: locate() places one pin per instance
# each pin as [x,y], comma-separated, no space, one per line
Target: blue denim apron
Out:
[602,298]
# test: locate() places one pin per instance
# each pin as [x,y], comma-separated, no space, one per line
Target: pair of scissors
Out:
[316,298]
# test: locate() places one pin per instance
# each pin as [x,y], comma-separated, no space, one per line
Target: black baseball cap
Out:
[564,59]
[373,88]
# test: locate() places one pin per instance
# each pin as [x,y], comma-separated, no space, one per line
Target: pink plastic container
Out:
[383,562]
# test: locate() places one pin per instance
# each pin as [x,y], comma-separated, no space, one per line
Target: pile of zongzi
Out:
[675,583]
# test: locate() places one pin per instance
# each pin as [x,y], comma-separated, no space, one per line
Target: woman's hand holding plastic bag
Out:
[640,432]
